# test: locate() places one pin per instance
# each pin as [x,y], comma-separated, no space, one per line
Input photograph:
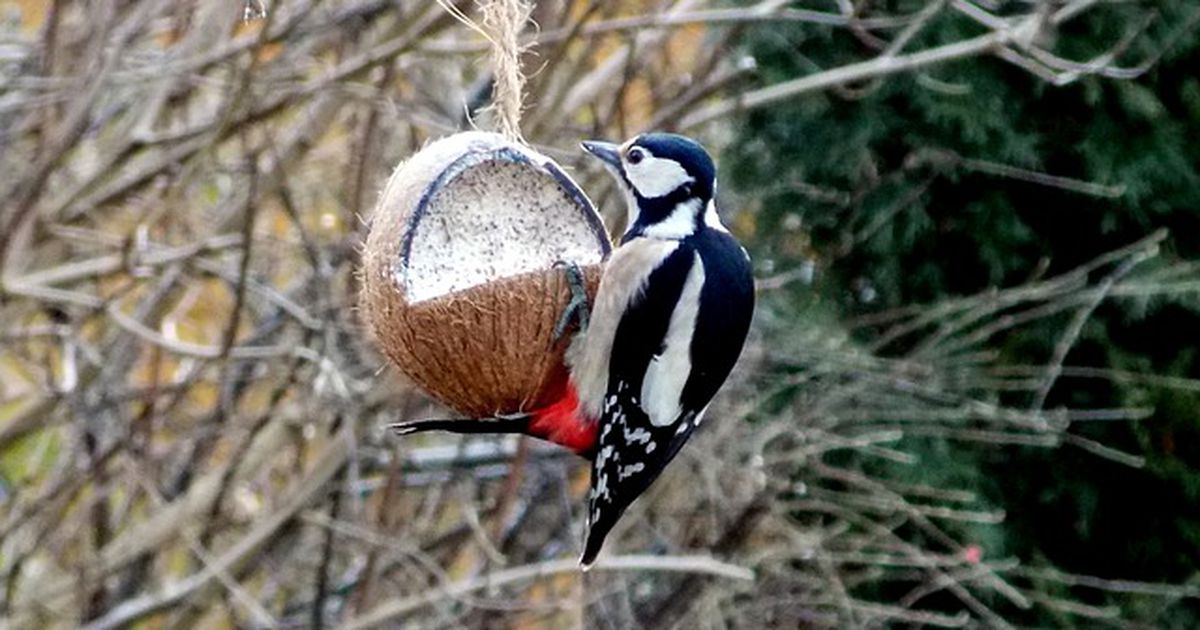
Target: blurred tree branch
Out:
[182,193]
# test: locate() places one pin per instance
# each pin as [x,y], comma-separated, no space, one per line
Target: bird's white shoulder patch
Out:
[655,177]
[712,219]
[668,371]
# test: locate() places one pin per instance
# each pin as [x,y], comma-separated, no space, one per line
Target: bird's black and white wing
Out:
[675,344]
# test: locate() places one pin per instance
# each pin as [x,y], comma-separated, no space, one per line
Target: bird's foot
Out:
[577,307]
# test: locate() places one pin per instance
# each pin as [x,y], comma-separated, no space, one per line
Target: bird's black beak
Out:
[608,152]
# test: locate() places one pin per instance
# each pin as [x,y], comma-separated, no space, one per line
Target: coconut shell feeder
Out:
[459,282]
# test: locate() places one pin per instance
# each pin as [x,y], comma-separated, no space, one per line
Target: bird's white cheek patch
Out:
[655,177]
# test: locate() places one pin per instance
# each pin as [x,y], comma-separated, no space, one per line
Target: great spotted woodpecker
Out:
[669,322]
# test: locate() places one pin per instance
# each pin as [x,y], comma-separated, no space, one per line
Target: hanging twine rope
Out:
[503,21]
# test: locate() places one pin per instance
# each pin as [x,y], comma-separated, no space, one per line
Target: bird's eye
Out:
[635,155]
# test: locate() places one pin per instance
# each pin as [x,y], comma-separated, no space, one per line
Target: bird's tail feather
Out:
[593,541]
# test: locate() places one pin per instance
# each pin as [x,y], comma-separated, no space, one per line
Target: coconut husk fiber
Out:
[458,283]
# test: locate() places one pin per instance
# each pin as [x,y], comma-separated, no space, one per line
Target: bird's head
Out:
[668,180]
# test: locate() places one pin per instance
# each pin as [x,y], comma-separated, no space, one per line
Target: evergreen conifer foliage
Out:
[912,193]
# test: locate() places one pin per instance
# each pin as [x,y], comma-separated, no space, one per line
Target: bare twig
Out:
[331,461]
[388,610]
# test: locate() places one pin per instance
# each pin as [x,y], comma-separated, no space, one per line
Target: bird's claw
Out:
[577,307]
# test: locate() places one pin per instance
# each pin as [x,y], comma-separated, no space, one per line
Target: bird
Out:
[668,323]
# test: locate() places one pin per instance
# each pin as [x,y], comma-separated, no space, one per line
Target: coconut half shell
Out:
[459,285]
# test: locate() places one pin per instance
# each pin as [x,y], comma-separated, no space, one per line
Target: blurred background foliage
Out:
[970,397]
[935,185]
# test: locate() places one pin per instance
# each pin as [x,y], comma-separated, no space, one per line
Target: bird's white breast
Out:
[625,276]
